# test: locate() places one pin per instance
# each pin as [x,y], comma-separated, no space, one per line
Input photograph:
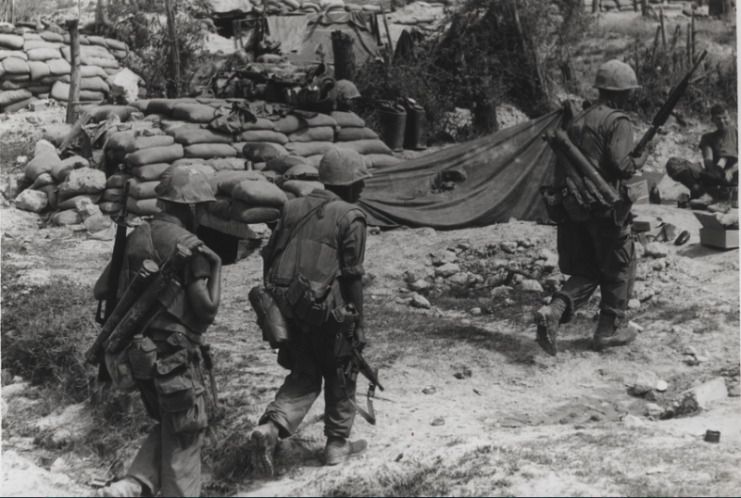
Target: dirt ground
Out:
[517,422]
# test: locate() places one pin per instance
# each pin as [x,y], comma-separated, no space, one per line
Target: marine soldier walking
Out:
[597,249]
[313,266]
[166,362]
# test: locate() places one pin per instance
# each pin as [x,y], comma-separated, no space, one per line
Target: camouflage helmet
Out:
[346,90]
[616,76]
[342,167]
[184,185]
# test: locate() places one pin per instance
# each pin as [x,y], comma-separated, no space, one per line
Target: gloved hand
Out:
[359,337]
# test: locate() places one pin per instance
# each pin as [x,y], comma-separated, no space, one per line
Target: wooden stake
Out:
[675,38]
[644,8]
[692,38]
[689,44]
[74,86]
[174,51]
[656,46]
[388,35]
[595,6]
[663,28]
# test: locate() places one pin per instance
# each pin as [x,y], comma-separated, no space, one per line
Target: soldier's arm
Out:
[204,290]
[619,147]
[352,257]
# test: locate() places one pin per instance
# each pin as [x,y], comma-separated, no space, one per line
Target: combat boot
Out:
[548,318]
[609,335]
[264,441]
[128,486]
[339,448]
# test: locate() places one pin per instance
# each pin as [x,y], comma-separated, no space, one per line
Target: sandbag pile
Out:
[37,66]
[283,7]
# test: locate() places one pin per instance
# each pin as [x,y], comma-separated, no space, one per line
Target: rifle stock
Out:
[365,368]
[667,108]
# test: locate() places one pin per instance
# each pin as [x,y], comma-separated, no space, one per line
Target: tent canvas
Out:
[496,177]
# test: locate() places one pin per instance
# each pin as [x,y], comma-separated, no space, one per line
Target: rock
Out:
[644,294]
[429,390]
[509,302]
[656,250]
[634,304]
[125,84]
[531,286]
[438,421]
[526,243]
[475,311]
[463,374]
[68,426]
[37,105]
[32,200]
[474,279]
[643,383]
[33,119]
[68,217]
[12,390]
[98,223]
[633,422]
[550,258]
[734,392]
[498,292]
[460,278]
[499,263]
[447,270]
[7,377]
[659,265]
[43,146]
[640,250]
[497,279]
[420,285]
[662,386]
[83,181]
[508,247]
[518,278]
[706,393]
[653,410]
[419,302]
[15,185]
[425,232]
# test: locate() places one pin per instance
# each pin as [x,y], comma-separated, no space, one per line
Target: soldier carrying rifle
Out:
[153,339]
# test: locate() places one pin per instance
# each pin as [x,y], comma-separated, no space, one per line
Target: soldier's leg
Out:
[181,461]
[146,467]
[688,174]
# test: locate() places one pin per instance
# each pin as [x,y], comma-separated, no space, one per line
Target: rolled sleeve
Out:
[352,246]
[619,148]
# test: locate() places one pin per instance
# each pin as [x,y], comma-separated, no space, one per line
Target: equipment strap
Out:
[370,414]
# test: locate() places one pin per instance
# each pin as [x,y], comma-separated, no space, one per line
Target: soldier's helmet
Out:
[617,76]
[345,90]
[342,167]
[184,185]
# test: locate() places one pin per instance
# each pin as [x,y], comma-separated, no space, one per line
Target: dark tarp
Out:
[493,179]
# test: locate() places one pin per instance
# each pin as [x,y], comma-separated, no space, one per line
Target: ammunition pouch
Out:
[120,369]
[180,391]
[574,207]
[270,319]
[142,354]
[309,300]
[553,201]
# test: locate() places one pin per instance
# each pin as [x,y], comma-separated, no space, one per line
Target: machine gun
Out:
[667,108]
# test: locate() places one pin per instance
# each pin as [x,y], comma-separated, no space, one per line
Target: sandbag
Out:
[263,152]
[155,155]
[142,190]
[190,136]
[259,193]
[150,172]
[18,54]
[289,124]
[33,44]
[66,217]
[113,195]
[82,181]
[105,63]
[13,96]
[165,106]
[61,171]
[321,120]
[42,162]
[13,42]
[50,36]
[13,65]
[363,147]
[348,119]
[141,143]
[100,113]
[194,113]
[208,151]
[188,161]
[119,54]
[282,164]
[142,207]
[19,105]
[42,180]
[220,208]
[72,201]
[43,54]
[56,132]
[97,40]
[306,149]
[156,118]
[117,180]
[115,44]
[317,134]
[224,181]
[59,67]
[141,105]
[38,69]
[301,188]
[38,89]
[260,124]
[60,91]
[109,207]
[240,211]
[96,83]
[264,136]
[169,125]
[30,35]
[226,163]
[301,171]
[352,134]
[381,160]
[207,170]
[18,77]
[314,160]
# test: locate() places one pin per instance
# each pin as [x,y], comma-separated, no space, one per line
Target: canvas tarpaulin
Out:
[319,32]
[493,179]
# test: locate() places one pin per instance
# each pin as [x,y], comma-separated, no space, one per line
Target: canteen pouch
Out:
[120,369]
[177,382]
[308,300]
[142,356]
[269,317]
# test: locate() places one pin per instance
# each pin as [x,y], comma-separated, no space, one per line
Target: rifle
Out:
[667,108]
[153,301]
[117,259]
[208,363]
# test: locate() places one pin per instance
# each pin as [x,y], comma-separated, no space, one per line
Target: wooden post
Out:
[692,38]
[663,28]
[12,11]
[595,6]
[644,8]
[234,34]
[174,51]
[675,38]
[656,46]
[74,86]
[689,44]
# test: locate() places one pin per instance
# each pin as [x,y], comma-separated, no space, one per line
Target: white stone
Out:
[497,292]
[531,286]
[32,200]
[419,285]
[644,382]
[419,302]
[460,278]
[475,311]
[656,250]
[633,422]
[125,83]
[97,223]
[634,304]
[508,247]
[654,410]
[83,181]
[708,392]
[447,270]
[662,386]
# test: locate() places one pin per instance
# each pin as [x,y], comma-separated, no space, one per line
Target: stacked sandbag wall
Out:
[37,66]
[284,7]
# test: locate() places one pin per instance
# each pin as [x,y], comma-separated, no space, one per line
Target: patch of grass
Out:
[422,481]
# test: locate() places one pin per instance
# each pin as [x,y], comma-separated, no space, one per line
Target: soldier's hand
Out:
[210,255]
[729,175]
[641,160]
[359,337]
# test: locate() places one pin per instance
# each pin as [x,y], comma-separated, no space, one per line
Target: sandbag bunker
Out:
[36,66]
[253,169]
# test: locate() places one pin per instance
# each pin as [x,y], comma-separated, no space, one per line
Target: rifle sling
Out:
[370,414]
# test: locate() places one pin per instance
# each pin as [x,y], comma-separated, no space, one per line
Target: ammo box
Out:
[714,234]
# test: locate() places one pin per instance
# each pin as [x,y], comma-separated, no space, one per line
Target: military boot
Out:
[264,441]
[339,448]
[609,335]
[128,486]
[548,318]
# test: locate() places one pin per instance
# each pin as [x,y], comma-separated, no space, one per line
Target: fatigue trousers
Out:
[314,356]
[695,177]
[167,463]
[596,253]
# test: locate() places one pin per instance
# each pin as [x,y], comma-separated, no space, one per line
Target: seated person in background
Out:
[719,155]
